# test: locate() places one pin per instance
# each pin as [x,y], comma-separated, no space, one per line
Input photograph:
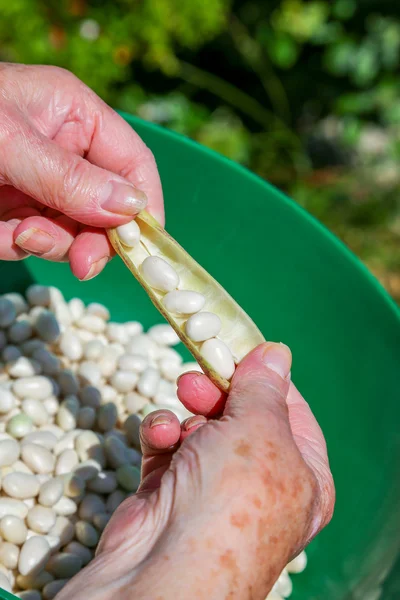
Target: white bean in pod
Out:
[104,483]
[33,556]
[7,312]
[20,485]
[9,554]
[203,326]
[64,565]
[218,355]
[159,274]
[9,452]
[37,387]
[129,234]
[41,519]
[38,458]
[86,534]
[51,589]
[149,382]
[47,327]
[183,302]
[13,529]
[51,491]
[80,550]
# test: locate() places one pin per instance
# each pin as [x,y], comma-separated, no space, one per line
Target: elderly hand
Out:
[69,167]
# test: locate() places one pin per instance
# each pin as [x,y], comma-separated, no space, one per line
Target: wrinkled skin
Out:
[224,503]
[69,166]
[228,496]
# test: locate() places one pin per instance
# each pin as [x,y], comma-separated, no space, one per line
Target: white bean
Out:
[74,486]
[169,369]
[86,534]
[38,458]
[41,438]
[94,350]
[92,323]
[71,346]
[7,312]
[66,461]
[66,416]
[37,387]
[13,529]
[203,326]
[159,274]
[124,381]
[88,469]
[64,507]
[87,445]
[19,332]
[80,550]
[149,382]
[7,400]
[16,508]
[76,308]
[108,394]
[20,485]
[51,405]
[128,477]
[9,452]
[89,372]
[5,583]
[115,332]
[164,334]
[30,595]
[51,589]
[33,556]
[218,355]
[41,519]
[66,442]
[9,554]
[47,327]
[298,564]
[183,302]
[64,565]
[104,483]
[129,234]
[284,585]
[134,402]
[64,529]
[132,362]
[133,328]
[35,410]
[51,491]
[19,426]
[21,467]
[86,417]
[95,308]
[23,367]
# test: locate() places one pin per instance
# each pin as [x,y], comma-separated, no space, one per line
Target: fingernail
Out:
[194,422]
[95,268]
[278,358]
[124,199]
[35,241]
[160,420]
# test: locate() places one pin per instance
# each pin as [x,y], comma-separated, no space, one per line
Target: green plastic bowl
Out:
[303,287]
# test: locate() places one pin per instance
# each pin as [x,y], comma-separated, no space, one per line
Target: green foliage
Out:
[304,92]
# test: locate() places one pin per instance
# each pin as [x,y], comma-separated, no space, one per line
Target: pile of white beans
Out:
[201,326]
[74,388]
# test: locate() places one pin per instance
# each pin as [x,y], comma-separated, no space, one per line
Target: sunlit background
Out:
[304,93]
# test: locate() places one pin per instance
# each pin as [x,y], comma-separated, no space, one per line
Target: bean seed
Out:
[183,302]
[35,582]
[21,467]
[90,396]
[134,402]
[41,438]
[88,469]
[38,458]
[30,595]
[68,383]
[20,331]
[90,505]
[9,554]
[203,326]
[64,507]
[9,452]
[64,565]
[22,367]
[51,589]
[67,460]
[7,312]
[71,346]
[47,327]
[218,355]
[5,583]
[144,346]
[107,417]
[92,323]
[37,387]
[50,492]
[298,564]
[132,428]
[19,426]
[10,353]
[33,556]
[51,405]
[129,234]
[108,394]
[76,308]
[30,346]
[115,452]
[159,274]
[66,416]
[41,519]
[124,381]
[64,529]
[105,482]
[128,477]
[9,506]
[3,340]
[169,369]
[94,350]
[114,500]
[67,441]
[18,302]
[164,334]
[100,520]
[88,446]
[283,585]
[95,308]
[13,529]
[79,550]
[35,410]
[20,485]
[86,534]
[74,486]
[149,382]
[86,417]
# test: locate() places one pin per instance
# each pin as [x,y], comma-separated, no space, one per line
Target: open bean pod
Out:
[213,327]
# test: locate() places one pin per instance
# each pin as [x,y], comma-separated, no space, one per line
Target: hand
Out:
[69,167]
[223,504]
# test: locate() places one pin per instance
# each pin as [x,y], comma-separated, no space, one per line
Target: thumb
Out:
[261,383]
[65,181]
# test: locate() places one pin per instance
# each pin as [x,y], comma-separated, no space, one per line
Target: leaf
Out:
[283,50]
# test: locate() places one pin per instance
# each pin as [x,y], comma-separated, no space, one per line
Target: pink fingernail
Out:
[194,423]
[278,358]
[160,420]
[124,199]
[95,268]
[35,241]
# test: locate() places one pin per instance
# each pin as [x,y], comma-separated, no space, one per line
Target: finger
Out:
[115,146]
[16,204]
[190,425]
[89,253]
[159,437]
[8,249]
[311,443]
[42,169]
[50,239]
[199,395]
